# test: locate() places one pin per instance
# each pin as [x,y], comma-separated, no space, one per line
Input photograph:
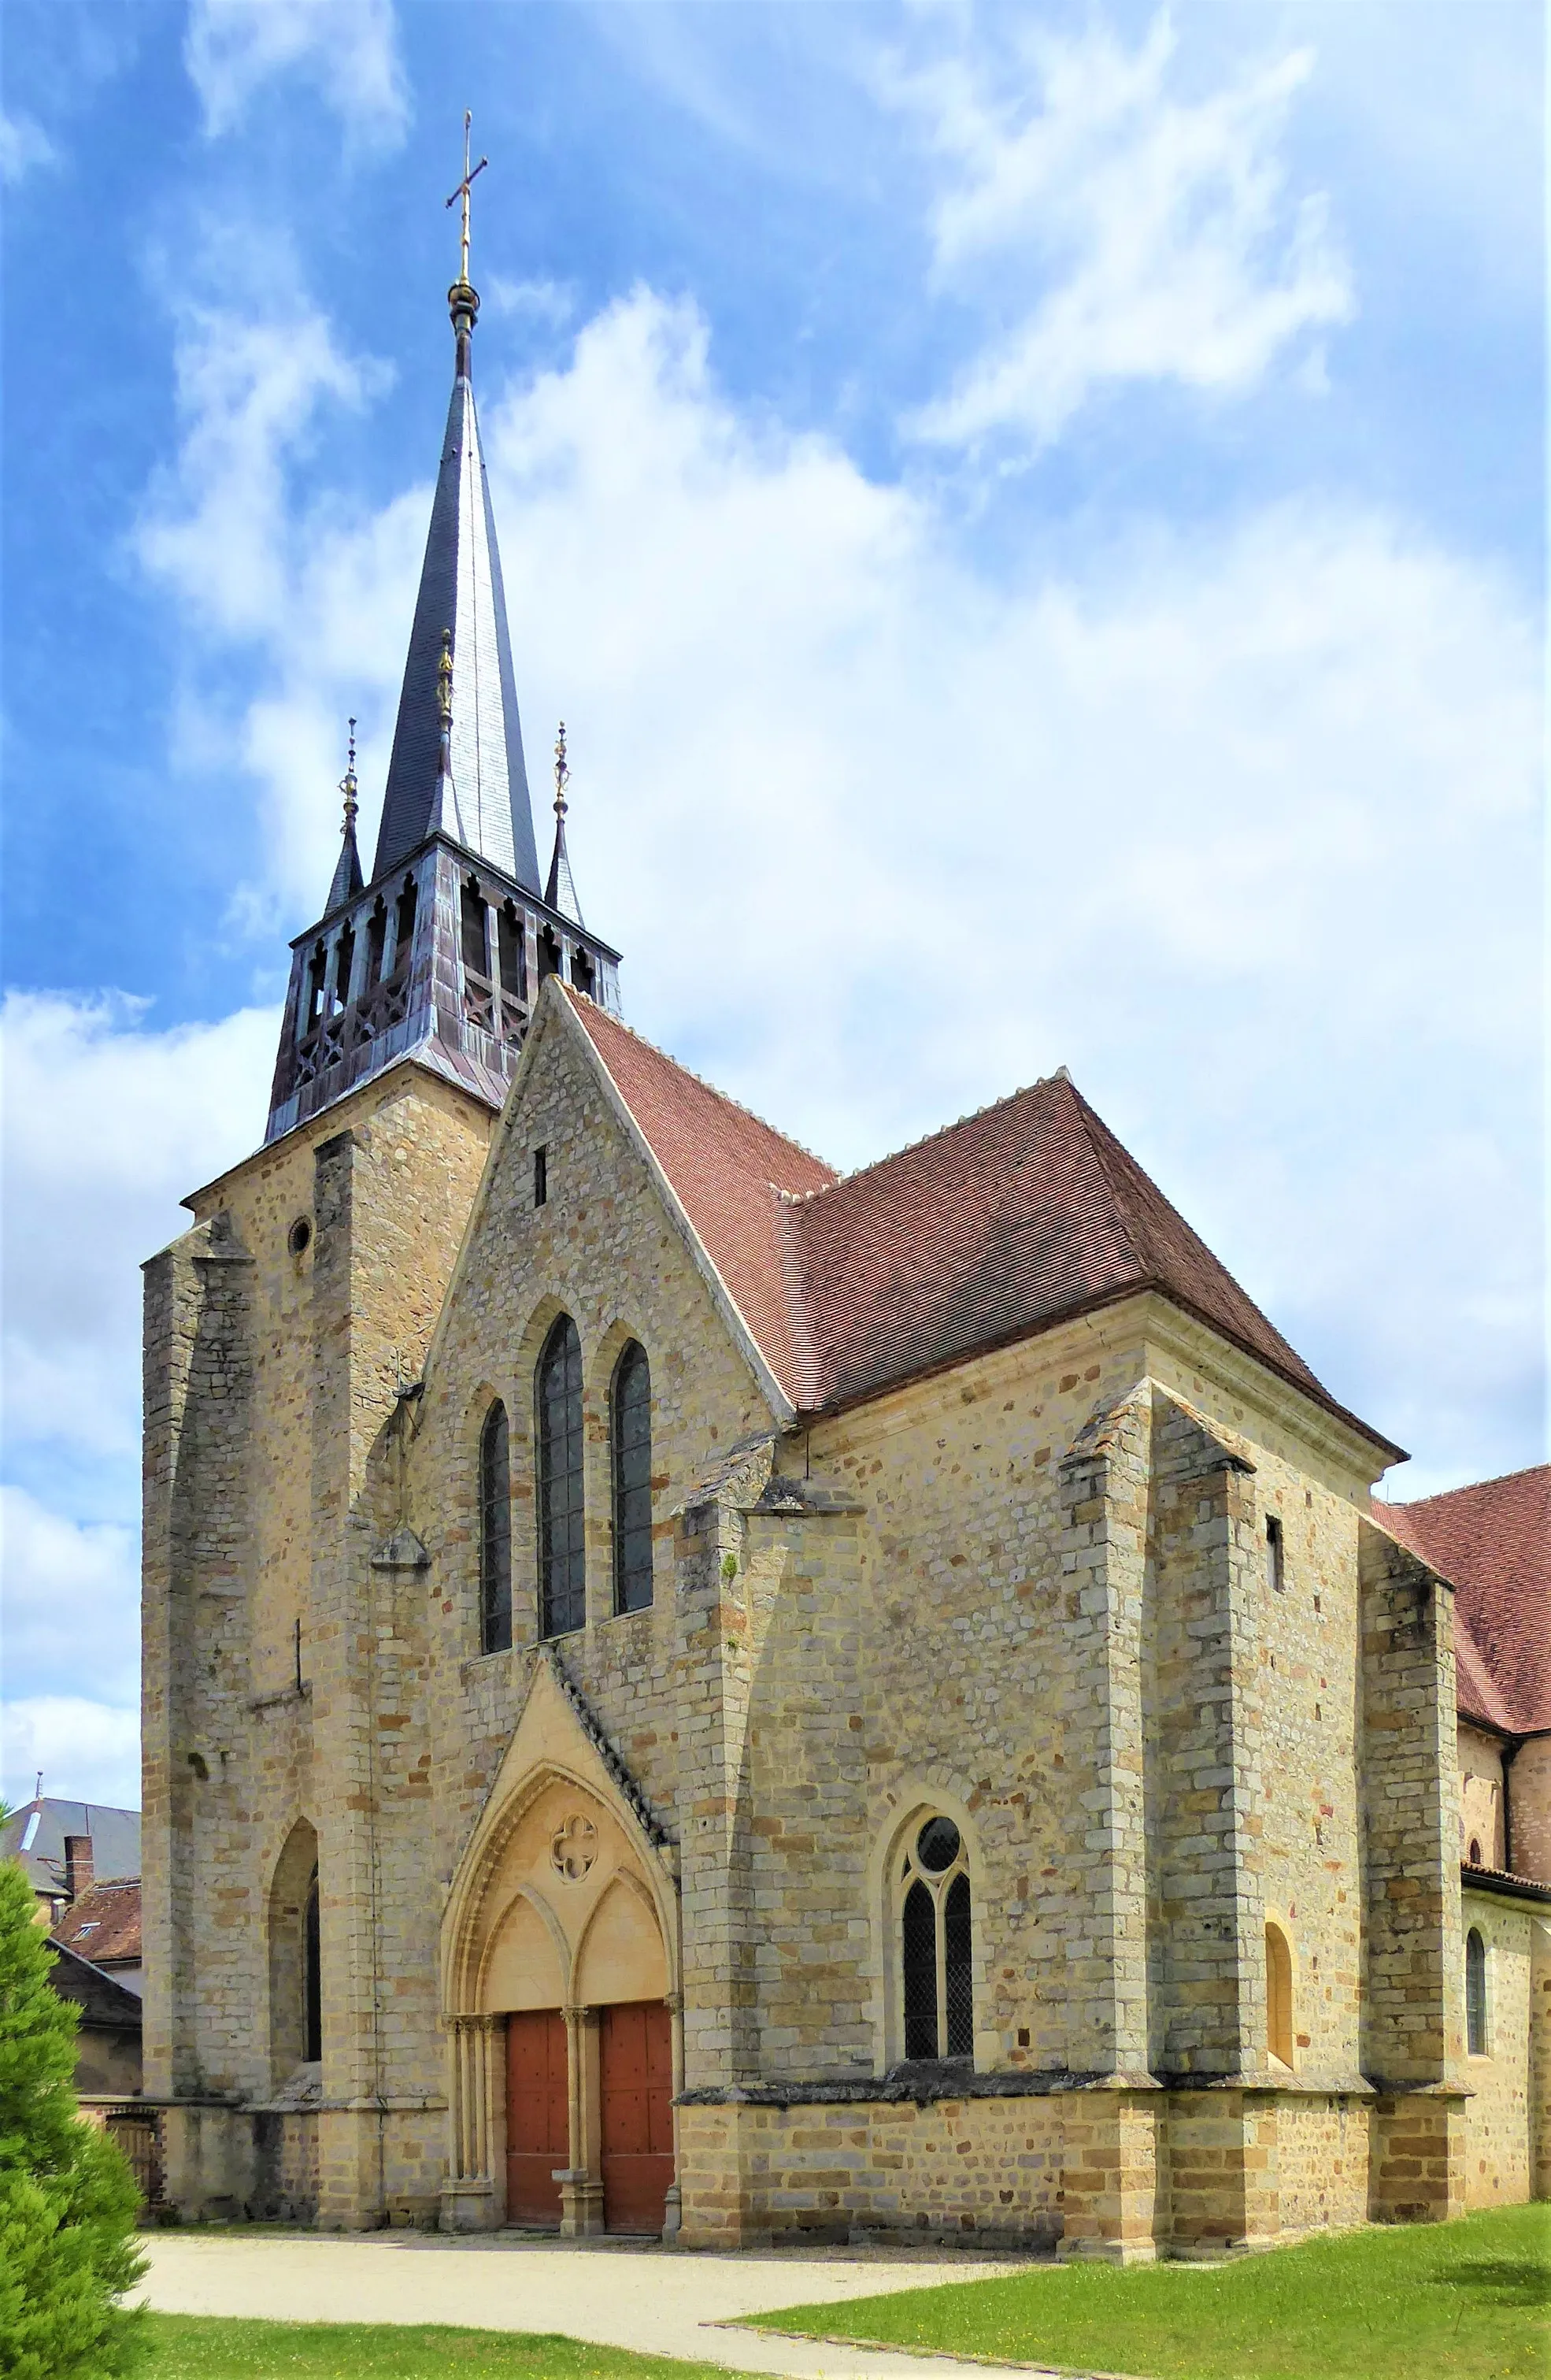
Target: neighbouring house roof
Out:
[1492,1542]
[103,1923]
[991,1229]
[114,1836]
[102,2001]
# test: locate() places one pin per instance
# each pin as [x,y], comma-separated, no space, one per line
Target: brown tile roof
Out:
[1492,1541]
[103,1923]
[990,1231]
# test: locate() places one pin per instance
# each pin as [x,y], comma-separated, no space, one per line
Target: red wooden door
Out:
[537,2131]
[637,2062]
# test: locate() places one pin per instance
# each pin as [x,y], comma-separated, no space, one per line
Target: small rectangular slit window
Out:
[541,1176]
[1274,1570]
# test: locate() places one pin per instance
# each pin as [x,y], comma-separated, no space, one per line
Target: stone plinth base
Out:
[469,2206]
[1417,2165]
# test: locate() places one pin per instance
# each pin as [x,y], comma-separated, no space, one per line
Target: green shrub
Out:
[67,2200]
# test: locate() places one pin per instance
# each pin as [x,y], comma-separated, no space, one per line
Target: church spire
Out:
[348,869]
[461,593]
[560,891]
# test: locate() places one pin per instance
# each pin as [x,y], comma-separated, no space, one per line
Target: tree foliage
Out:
[67,2199]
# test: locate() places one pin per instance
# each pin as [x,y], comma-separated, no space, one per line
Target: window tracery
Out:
[936,1942]
[561,1544]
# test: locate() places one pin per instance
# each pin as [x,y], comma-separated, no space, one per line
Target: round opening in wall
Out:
[299,1239]
[936,1846]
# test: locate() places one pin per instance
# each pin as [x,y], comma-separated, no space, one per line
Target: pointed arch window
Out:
[561,1545]
[630,1421]
[1278,1995]
[313,1973]
[495,1532]
[1476,1993]
[936,1943]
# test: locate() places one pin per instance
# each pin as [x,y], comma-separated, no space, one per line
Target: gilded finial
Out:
[347,784]
[444,680]
[461,296]
[562,772]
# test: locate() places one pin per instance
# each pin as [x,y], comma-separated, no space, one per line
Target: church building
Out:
[685,1694]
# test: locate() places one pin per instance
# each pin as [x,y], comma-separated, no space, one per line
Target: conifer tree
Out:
[67,2199]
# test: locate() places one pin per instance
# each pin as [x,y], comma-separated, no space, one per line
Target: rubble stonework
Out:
[1029,1591]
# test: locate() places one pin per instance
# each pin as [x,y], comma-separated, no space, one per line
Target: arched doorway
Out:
[560,1983]
[295,1979]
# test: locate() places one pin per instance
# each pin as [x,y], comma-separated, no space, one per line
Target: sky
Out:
[1033,517]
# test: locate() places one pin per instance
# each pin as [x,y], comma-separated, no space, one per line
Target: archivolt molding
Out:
[549,1747]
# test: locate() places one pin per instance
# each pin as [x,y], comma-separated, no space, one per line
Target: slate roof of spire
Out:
[560,890]
[998,1227]
[1492,1541]
[461,589]
[346,871]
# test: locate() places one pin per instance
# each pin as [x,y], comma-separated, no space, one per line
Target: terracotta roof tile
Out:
[991,1229]
[726,1168]
[1492,1541]
[103,1923]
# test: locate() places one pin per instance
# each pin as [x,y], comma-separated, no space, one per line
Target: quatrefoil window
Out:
[573,1848]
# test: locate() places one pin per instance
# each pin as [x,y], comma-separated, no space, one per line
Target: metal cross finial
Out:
[462,191]
[562,772]
[347,783]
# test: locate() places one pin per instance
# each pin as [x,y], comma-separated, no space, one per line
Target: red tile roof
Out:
[103,1923]
[990,1231]
[1493,1543]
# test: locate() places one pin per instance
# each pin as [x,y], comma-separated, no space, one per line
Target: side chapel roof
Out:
[996,1227]
[1492,1541]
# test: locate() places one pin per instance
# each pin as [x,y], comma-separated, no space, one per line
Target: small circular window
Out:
[299,1239]
[937,1845]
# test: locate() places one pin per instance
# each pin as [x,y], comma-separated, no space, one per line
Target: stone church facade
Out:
[687,1694]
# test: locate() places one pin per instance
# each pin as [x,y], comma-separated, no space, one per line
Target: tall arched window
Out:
[1475,1994]
[938,1995]
[495,1532]
[630,1425]
[313,1973]
[562,1552]
[1278,1995]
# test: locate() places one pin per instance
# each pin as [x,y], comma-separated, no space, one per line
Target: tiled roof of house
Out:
[103,1923]
[114,1837]
[990,1231]
[1492,1541]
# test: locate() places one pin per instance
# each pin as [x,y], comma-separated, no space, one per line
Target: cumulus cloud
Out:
[69,1594]
[24,146]
[1115,229]
[87,1750]
[1242,827]
[107,1122]
[346,49]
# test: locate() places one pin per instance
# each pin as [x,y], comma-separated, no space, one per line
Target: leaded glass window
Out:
[562,1548]
[632,1458]
[936,1947]
[495,1533]
[1475,1994]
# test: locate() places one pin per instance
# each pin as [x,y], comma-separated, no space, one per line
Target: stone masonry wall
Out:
[1500,2114]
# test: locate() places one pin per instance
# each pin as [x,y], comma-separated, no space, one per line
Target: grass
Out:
[1457,2301]
[204,2346]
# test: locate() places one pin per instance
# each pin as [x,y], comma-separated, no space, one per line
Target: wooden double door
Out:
[636,2111]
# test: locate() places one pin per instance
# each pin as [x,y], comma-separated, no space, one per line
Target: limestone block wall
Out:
[1501,2124]
[1530,1809]
[1481,1797]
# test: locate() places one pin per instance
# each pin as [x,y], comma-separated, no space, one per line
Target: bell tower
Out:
[439,954]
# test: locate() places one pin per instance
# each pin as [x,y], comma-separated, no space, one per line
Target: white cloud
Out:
[348,49]
[24,146]
[1242,826]
[87,1750]
[107,1124]
[69,1594]
[1115,229]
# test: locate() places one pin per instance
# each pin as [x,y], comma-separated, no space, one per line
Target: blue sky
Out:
[1034,517]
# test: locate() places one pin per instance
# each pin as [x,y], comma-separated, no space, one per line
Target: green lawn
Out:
[201,2347]
[1437,2301]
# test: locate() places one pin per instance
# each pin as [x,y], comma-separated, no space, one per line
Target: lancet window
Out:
[1278,1995]
[933,1902]
[562,1547]
[630,1420]
[1476,1993]
[495,1532]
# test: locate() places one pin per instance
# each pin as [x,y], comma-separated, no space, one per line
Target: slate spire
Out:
[461,593]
